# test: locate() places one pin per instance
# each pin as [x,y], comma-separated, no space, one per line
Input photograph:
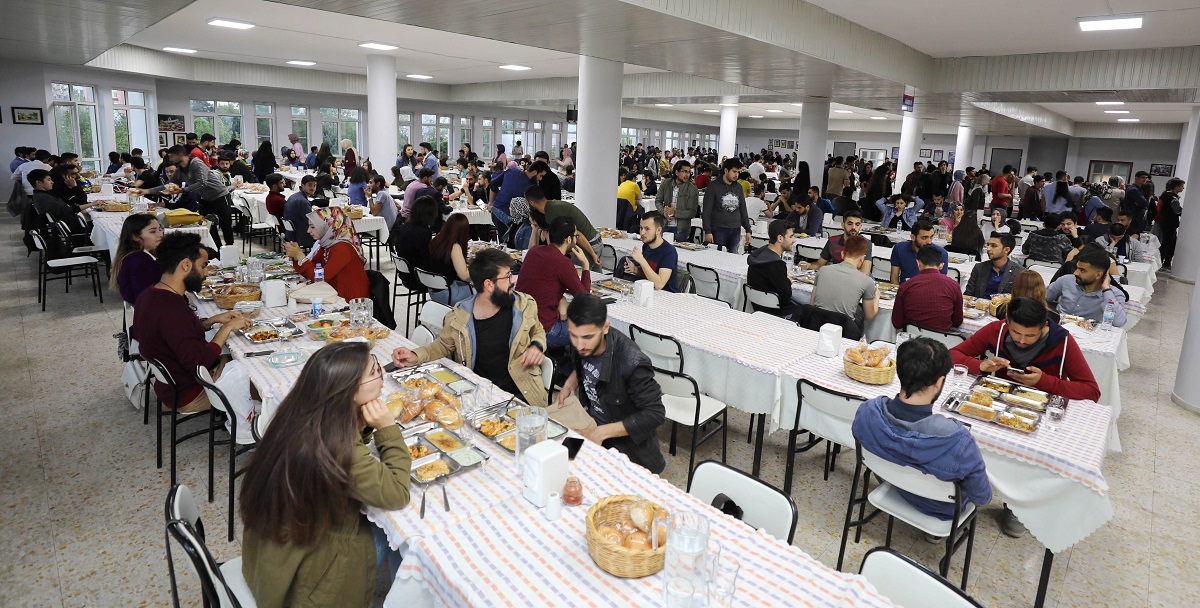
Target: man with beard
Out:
[832,252]
[903,429]
[495,332]
[1089,290]
[167,330]
[997,273]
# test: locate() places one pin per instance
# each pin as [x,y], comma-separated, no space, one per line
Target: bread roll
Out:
[638,540]
[642,514]
[856,357]
[610,535]
[450,418]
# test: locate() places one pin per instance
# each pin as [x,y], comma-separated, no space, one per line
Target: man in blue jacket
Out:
[903,429]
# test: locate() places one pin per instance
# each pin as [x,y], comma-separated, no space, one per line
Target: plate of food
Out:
[689,246]
[434,467]
[445,440]
[261,334]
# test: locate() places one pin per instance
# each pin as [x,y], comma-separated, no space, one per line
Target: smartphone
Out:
[1018,370]
[389,368]
[573,445]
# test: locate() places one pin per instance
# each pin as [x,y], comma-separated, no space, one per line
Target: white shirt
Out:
[21,175]
[756,169]
[754,207]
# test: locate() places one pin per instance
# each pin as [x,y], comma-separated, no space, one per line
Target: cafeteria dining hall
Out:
[601,303]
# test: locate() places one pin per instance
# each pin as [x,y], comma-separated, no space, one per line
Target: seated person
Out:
[568,182]
[1047,243]
[55,208]
[903,429]
[767,271]
[296,210]
[897,212]
[1121,245]
[755,205]
[338,252]
[852,223]
[495,332]
[1125,218]
[904,255]
[783,205]
[135,269]
[67,187]
[411,239]
[382,203]
[815,218]
[656,260]
[611,396]
[1029,284]
[1070,228]
[822,203]
[997,273]
[1100,223]
[842,287]
[1087,292]
[448,257]
[1026,339]
[168,331]
[547,275]
[930,299]
[276,203]
[303,515]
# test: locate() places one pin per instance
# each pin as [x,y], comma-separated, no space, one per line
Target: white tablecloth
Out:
[730,267]
[106,230]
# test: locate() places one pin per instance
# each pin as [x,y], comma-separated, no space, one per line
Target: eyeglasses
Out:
[507,276]
[378,372]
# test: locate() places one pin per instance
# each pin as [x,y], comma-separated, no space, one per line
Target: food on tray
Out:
[1032,395]
[320,323]
[418,451]
[978,411]
[494,426]
[869,357]
[1014,421]
[1001,387]
[509,442]
[609,233]
[263,335]
[982,304]
[432,470]
[1025,402]
[466,457]
[403,407]
[444,441]
[298,317]
[981,398]
[449,398]
[450,418]
[427,388]
[444,375]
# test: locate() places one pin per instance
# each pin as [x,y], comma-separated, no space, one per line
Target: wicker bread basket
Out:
[227,296]
[354,212]
[870,375]
[616,559]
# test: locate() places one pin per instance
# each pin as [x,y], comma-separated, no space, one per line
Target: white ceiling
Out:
[284,33]
[785,110]
[969,28]
[1146,112]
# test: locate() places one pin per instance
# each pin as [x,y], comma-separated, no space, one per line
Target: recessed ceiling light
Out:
[175,49]
[774,111]
[879,118]
[1110,103]
[797,104]
[728,105]
[1129,120]
[377,46]
[843,112]
[1117,22]
[665,105]
[713,111]
[237,25]
[759,116]
[296,62]
[418,76]
[516,68]
[1116,111]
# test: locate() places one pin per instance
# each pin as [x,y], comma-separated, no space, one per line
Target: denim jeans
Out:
[458,291]
[728,238]
[557,336]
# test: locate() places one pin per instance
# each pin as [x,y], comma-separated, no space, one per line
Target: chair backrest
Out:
[608,258]
[881,268]
[907,583]
[212,582]
[182,505]
[764,506]
[433,316]
[826,412]
[949,339]
[215,395]
[705,280]
[954,274]
[758,299]
[808,252]
[39,241]
[664,351]
[677,384]
[758,241]
[832,231]
[908,478]
[548,373]
[287,225]
[159,371]
[421,336]
[432,281]
[402,265]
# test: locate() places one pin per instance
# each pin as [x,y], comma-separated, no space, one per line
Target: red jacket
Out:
[1064,370]
[344,271]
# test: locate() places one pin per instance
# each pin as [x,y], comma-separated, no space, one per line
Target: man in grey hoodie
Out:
[724,211]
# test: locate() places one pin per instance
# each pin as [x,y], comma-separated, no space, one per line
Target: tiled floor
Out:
[81,513]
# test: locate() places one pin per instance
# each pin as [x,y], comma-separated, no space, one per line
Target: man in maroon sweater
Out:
[167,329]
[931,299]
[547,274]
[275,199]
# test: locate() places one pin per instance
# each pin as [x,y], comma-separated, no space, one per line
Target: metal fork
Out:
[423,493]
[445,499]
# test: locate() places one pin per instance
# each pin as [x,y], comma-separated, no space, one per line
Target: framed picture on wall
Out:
[926,152]
[937,156]
[27,116]
[950,157]
[1162,170]
[162,139]
[896,152]
[170,122]
[181,139]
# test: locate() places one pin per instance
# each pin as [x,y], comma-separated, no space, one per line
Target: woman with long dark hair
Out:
[264,161]
[305,541]
[500,162]
[408,156]
[966,237]
[134,268]
[326,181]
[876,189]
[1062,202]
[324,154]
[448,257]
[357,189]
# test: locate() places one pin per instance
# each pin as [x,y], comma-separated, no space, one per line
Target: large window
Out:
[221,118]
[263,117]
[466,127]
[572,133]
[300,124]
[76,122]
[1100,170]
[487,148]
[435,130]
[130,121]
[338,124]
[629,136]
[710,140]
[512,131]
[405,125]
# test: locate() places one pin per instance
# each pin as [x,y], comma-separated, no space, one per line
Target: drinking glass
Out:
[678,592]
[722,579]
[687,546]
[531,430]
[360,311]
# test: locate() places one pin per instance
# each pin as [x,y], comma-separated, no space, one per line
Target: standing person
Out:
[513,182]
[611,396]
[337,250]
[1168,220]
[1057,195]
[1001,188]
[588,237]
[305,539]
[135,269]
[500,161]
[431,159]
[1033,202]
[548,275]
[997,273]
[955,192]
[204,150]
[724,210]
[930,299]
[264,161]
[655,260]
[904,256]
[294,145]
[678,198]
[766,269]
[349,157]
[206,183]
[837,178]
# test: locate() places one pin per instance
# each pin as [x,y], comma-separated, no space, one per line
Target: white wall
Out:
[24,86]
[756,139]
[1141,152]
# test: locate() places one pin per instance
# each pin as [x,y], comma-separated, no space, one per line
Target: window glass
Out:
[262,108]
[60,92]
[229,107]
[299,111]
[206,107]
[136,98]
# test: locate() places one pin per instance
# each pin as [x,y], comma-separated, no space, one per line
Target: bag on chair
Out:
[133,379]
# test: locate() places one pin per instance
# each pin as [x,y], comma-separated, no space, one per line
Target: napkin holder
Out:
[106,189]
[543,471]
[830,341]
[643,293]
[230,255]
[274,293]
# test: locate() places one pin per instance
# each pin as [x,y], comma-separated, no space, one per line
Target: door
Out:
[1005,156]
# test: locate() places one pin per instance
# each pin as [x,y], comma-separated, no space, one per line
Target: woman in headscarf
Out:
[955,194]
[501,160]
[337,250]
[349,157]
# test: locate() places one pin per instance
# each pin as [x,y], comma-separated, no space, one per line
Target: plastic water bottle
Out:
[1109,313]
[319,273]
[317,307]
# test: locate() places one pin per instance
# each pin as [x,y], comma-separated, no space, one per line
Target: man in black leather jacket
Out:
[614,383]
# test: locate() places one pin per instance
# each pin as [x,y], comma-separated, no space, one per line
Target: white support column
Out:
[383,137]
[964,148]
[1071,165]
[727,142]
[1186,264]
[811,142]
[1184,161]
[912,133]
[599,138]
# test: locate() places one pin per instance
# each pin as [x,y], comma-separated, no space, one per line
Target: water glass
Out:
[960,371]
[722,579]
[687,547]
[678,593]
[360,311]
[531,430]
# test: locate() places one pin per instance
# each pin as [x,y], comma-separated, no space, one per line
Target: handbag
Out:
[133,379]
